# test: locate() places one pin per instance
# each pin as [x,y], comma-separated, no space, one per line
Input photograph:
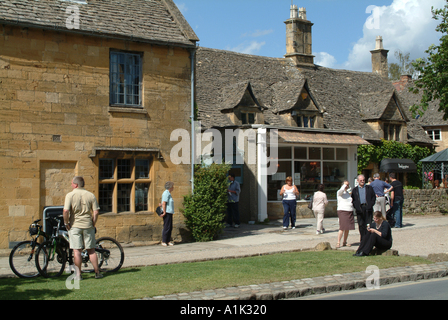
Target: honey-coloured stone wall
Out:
[55,116]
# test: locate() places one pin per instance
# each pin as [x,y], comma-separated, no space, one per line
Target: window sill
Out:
[139,110]
[127,213]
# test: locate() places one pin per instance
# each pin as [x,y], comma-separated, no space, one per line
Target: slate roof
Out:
[222,76]
[374,104]
[431,117]
[441,156]
[345,98]
[155,21]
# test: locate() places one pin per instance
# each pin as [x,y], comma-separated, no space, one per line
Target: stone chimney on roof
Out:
[379,59]
[298,37]
[401,84]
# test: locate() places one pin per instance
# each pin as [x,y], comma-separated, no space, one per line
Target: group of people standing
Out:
[366,200]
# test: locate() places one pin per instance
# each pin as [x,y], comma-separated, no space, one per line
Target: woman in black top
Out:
[378,235]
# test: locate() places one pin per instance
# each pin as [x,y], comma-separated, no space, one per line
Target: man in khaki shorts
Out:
[80,216]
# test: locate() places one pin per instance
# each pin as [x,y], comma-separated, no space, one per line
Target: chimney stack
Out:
[298,37]
[379,59]
[403,82]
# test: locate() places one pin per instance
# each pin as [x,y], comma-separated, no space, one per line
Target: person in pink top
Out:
[319,203]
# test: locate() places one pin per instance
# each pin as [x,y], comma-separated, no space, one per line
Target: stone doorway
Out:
[55,179]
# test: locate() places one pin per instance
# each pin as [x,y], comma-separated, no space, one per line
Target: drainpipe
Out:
[193,146]
[262,175]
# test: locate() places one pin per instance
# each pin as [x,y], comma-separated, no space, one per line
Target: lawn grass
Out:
[134,283]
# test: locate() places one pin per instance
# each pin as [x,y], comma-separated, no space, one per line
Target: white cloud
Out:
[324,59]
[405,25]
[252,47]
[257,33]
[182,7]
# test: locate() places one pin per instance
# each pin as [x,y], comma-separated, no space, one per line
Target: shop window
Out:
[309,167]
[315,153]
[328,153]
[277,180]
[308,176]
[300,152]
[341,154]
[284,153]
[333,174]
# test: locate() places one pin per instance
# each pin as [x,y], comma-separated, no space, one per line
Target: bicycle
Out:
[21,258]
[52,255]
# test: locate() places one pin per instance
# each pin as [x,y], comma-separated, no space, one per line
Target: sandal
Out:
[346,245]
[338,245]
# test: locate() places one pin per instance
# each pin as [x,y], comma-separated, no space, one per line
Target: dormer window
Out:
[304,121]
[248,117]
[392,132]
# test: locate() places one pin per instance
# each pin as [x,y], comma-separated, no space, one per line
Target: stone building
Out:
[432,120]
[322,115]
[93,88]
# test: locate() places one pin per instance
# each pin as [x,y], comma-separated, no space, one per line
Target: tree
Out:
[404,66]
[433,78]
[205,209]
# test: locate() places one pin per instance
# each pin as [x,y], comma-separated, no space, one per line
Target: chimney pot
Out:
[294,11]
[302,13]
[379,43]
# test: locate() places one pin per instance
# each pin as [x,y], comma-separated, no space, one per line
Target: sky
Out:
[344,31]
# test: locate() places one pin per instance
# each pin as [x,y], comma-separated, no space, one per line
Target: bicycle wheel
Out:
[110,254]
[21,259]
[50,260]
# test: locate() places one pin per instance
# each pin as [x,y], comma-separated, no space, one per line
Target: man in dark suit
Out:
[364,199]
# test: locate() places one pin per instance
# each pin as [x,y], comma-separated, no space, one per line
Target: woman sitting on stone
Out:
[378,235]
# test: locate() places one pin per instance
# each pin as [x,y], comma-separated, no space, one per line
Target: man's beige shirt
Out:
[81,204]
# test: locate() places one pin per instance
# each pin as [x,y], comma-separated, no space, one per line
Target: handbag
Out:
[310,205]
[159,211]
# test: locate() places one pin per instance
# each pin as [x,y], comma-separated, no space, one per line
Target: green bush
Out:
[205,209]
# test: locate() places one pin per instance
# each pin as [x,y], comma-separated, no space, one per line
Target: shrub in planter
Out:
[205,209]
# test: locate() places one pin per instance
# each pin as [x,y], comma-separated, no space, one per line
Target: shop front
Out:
[310,164]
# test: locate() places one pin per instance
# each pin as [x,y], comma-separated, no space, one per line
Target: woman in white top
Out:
[345,213]
[319,202]
[289,193]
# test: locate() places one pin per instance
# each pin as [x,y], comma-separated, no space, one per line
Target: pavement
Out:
[420,236]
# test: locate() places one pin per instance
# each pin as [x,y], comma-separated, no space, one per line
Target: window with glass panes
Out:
[305,121]
[125,79]
[124,184]
[247,118]
[392,132]
[435,134]
[309,167]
